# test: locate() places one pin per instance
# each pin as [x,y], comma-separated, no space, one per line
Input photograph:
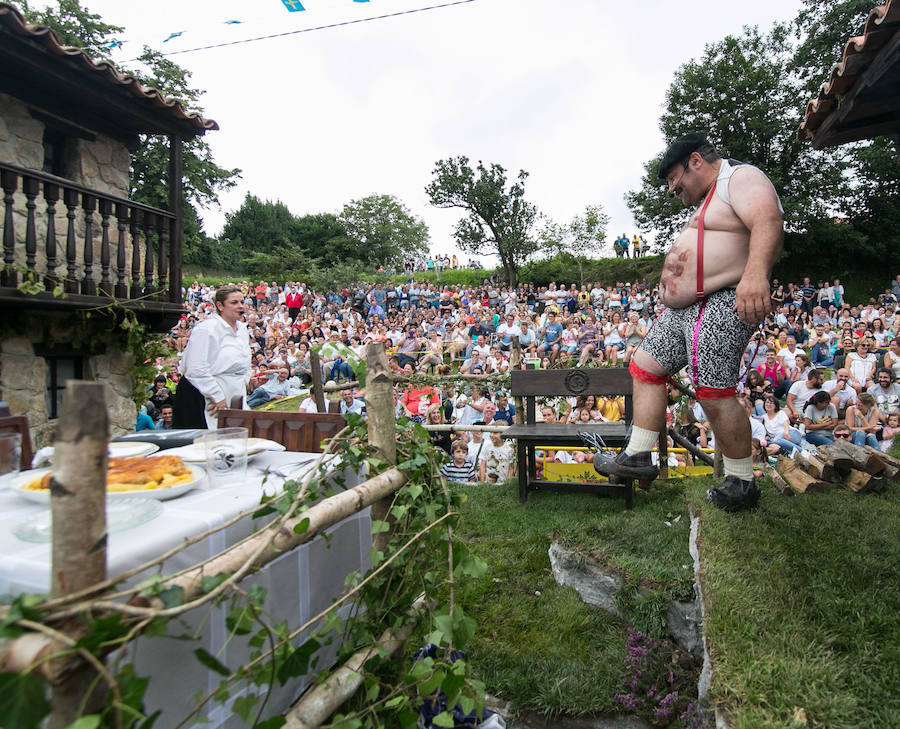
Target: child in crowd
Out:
[497,460]
[889,432]
[459,469]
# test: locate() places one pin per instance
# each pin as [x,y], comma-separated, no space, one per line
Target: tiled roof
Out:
[880,28]
[42,35]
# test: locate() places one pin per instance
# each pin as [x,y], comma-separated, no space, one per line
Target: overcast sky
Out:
[569,90]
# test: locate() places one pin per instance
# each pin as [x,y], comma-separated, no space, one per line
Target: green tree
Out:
[260,226]
[386,231]
[75,25]
[749,92]
[499,220]
[583,236]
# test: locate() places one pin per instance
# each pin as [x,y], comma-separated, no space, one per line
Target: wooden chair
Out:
[19,424]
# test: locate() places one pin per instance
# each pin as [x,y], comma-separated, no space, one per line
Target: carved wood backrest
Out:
[295,431]
[577,381]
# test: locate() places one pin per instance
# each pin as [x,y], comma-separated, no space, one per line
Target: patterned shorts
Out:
[707,337]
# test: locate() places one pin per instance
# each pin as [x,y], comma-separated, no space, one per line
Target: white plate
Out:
[132,449]
[43,497]
[121,514]
[196,452]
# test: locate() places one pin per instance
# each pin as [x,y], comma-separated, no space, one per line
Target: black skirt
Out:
[189,406]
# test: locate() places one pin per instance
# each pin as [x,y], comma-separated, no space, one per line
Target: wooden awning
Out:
[861,98]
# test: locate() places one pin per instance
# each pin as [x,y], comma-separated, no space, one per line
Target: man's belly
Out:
[724,258]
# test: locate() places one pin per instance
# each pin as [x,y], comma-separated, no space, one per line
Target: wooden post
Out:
[663,448]
[78,512]
[176,206]
[382,424]
[718,463]
[315,370]
[515,361]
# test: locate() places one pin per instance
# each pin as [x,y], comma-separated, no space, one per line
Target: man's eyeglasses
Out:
[844,436]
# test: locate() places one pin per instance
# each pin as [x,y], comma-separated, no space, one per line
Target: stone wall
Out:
[23,377]
[100,164]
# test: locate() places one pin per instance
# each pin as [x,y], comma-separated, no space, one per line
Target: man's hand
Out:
[752,301]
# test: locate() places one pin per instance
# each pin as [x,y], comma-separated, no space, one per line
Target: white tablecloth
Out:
[299,584]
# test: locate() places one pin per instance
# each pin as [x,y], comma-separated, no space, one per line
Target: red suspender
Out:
[700,218]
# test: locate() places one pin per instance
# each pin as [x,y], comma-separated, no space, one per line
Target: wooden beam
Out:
[176,207]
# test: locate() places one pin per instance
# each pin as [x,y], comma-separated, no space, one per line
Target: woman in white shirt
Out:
[215,365]
[778,427]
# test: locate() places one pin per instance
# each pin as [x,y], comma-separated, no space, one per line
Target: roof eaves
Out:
[47,39]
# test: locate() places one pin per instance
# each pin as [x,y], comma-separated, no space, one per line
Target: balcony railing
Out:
[93,246]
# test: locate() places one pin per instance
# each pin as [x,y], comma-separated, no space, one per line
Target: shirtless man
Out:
[715,285]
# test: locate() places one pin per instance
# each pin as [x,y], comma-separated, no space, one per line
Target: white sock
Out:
[740,467]
[641,440]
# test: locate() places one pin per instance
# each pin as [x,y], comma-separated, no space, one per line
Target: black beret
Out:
[680,149]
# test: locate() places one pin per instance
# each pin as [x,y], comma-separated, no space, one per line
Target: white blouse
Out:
[215,349]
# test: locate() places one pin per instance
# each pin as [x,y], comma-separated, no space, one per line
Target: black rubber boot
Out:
[638,466]
[734,494]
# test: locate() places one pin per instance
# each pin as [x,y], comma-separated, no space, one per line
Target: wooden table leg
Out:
[522,457]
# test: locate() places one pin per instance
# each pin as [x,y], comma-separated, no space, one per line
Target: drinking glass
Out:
[226,456]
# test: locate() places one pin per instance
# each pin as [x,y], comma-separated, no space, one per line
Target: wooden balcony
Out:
[85,249]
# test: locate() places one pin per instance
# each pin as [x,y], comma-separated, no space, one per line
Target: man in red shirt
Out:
[261,292]
[294,302]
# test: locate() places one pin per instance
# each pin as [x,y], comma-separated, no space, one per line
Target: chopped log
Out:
[845,456]
[821,470]
[891,464]
[861,482]
[797,478]
[783,486]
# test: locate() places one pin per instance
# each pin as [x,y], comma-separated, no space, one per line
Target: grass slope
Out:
[538,646]
[803,608]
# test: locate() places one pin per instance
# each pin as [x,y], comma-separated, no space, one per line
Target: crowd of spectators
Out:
[818,369]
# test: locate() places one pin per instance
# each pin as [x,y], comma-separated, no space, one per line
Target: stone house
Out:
[76,251]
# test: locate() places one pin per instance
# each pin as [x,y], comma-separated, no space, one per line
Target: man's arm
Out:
[755,202]
[790,404]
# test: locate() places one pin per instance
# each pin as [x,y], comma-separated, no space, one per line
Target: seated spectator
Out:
[506,411]
[819,418]
[861,364]
[801,392]
[350,403]
[460,469]
[165,417]
[892,359]
[144,421]
[885,392]
[778,427]
[864,420]
[439,438]
[275,389]
[775,373]
[839,388]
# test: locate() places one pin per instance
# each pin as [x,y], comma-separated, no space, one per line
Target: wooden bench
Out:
[532,384]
